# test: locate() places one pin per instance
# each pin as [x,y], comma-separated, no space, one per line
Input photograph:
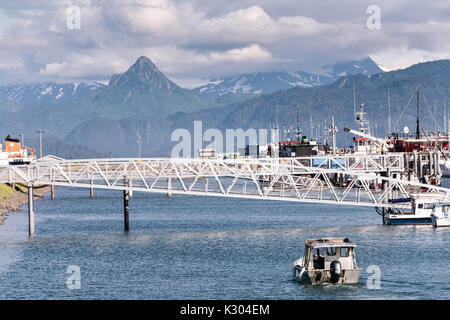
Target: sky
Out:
[192,41]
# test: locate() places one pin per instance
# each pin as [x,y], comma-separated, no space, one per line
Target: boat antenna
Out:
[276,117]
[435,122]
[445,116]
[418,121]
[298,126]
[354,97]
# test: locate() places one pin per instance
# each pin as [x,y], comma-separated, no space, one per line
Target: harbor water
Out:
[186,247]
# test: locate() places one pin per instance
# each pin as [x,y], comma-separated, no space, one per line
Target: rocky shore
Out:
[15,200]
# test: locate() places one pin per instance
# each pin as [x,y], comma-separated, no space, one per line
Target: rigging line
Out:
[429,110]
[404,110]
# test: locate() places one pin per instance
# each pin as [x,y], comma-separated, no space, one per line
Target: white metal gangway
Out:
[310,179]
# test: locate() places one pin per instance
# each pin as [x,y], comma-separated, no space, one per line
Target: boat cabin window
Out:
[319,259]
[344,252]
[425,206]
[331,251]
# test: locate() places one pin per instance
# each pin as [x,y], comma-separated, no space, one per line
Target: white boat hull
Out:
[318,277]
[440,222]
[407,219]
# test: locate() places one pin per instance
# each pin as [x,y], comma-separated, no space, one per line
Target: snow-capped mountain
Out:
[47,93]
[265,83]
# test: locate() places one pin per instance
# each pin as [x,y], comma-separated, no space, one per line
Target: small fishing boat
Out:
[422,206]
[327,260]
[440,216]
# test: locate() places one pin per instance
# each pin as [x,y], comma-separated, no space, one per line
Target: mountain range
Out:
[143,104]
[47,93]
[223,91]
[247,85]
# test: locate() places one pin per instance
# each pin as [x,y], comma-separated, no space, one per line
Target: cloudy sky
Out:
[194,40]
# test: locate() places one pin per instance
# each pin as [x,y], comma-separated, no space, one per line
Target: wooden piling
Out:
[52,192]
[126,198]
[30,210]
[92,193]
[169,187]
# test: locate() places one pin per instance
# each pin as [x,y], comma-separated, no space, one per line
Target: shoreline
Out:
[13,202]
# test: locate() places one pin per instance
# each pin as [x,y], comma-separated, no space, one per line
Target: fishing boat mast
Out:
[333,129]
[418,121]
[389,114]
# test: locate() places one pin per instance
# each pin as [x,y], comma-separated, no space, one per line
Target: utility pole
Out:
[40,141]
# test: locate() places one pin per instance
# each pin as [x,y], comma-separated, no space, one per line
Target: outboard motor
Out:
[336,271]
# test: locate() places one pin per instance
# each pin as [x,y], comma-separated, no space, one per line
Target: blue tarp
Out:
[400,200]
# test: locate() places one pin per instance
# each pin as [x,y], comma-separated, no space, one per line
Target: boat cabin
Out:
[319,253]
[327,260]
[12,152]
[364,146]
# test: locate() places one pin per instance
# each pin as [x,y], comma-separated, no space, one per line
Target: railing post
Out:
[169,186]
[30,209]
[389,175]
[92,187]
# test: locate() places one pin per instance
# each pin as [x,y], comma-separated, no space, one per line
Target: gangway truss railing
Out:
[307,179]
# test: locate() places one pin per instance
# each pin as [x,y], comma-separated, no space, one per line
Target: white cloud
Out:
[400,58]
[198,38]
[251,53]
[54,68]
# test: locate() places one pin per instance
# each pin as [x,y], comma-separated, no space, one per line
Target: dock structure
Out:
[361,180]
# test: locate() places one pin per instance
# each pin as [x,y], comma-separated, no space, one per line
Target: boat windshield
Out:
[426,206]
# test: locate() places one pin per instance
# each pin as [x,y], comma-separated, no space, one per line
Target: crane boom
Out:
[379,142]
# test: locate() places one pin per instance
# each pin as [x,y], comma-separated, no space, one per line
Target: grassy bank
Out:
[6,191]
[11,200]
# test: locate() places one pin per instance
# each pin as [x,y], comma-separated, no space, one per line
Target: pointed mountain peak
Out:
[143,74]
[144,62]
[144,67]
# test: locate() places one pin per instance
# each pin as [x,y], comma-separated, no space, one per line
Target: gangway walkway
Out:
[309,179]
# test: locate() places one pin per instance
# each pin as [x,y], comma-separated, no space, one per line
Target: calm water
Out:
[207,248]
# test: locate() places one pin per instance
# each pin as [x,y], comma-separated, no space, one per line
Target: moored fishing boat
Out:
[422,206]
